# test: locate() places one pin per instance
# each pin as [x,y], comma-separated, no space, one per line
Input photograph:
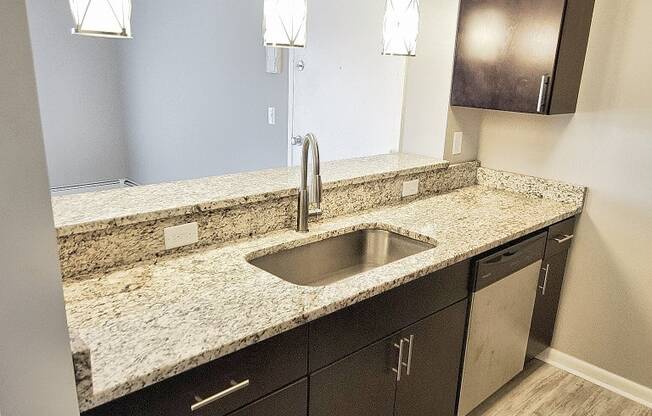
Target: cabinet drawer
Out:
[560,237]
[223,385]
[344,332]
[290,401]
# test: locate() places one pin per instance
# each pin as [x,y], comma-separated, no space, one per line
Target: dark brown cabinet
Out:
[431,386]
[551,280]
[428,355]
[522,56]
[339,334]
[360,384]
[290,401]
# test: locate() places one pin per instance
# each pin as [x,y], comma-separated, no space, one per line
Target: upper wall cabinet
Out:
[524,56]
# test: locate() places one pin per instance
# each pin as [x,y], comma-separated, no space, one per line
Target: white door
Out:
[347,93]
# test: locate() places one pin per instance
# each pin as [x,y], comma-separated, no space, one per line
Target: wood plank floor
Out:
[543,390]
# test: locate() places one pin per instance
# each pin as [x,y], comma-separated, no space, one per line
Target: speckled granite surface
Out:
[153,321]
[118,246]
[81,357]
[531,185]
[98,210]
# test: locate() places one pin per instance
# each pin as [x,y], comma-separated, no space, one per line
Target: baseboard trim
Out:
[598,376]
[93,186]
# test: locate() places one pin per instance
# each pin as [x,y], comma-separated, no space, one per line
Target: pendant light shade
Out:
[102,18]
[401,27]
[285,23]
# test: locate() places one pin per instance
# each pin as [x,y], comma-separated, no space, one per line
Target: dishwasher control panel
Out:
[499,265]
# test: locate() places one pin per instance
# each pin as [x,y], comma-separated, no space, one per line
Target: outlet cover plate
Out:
[410,188]
[181,235]
[458,138]
[271,116]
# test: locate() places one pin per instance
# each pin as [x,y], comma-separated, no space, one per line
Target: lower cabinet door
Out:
[290,401]
[362,384]
[430,387]
[551,280]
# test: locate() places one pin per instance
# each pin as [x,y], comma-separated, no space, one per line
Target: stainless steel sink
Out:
[333,259]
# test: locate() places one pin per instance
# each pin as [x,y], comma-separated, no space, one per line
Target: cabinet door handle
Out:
[205,402]
[564,238]
[543,92]
[409,362]
[545,280]
[399,368]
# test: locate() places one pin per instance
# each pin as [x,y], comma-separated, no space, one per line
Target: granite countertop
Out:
[80,213]
[151,322]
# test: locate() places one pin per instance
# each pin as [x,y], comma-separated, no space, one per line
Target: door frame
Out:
[291,77]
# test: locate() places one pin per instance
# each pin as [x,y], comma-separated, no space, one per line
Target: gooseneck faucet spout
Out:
[314,196]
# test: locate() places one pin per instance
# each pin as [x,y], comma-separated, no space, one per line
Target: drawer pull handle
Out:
[399,368]
[409,363]
[543,92]
[545,280]
[218,396]
[564,238]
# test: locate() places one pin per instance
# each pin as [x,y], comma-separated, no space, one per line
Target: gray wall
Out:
[196,92]
[78,80]
[186,98]
[36,375]
[605,316]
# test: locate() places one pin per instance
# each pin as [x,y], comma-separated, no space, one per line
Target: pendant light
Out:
[102,18]
[401,27]
[284,23]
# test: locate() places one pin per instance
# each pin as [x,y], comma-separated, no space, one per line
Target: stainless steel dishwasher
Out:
[504,291]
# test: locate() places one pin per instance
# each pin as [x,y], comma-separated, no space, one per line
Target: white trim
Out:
[93,186]
[290,69]
[598,376]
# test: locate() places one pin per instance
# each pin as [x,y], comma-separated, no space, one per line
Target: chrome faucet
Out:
[314,196]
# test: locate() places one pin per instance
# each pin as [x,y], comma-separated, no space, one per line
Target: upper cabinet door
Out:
[523,56]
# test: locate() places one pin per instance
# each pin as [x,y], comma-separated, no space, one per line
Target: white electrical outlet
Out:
[271,115]
[458,137]
[410,188]
[181,235]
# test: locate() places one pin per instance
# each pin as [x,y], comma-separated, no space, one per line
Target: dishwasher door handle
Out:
[506,257]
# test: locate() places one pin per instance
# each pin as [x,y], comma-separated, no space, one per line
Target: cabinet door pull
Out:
[205,402]
[545,280]
[409,362]
[543,92]
[400,365]
[564,238]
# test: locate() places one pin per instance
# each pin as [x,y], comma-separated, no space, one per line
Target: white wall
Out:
[78,86]
[36,375]
[196,92]
[349,94]
[428,80]
[605,317]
